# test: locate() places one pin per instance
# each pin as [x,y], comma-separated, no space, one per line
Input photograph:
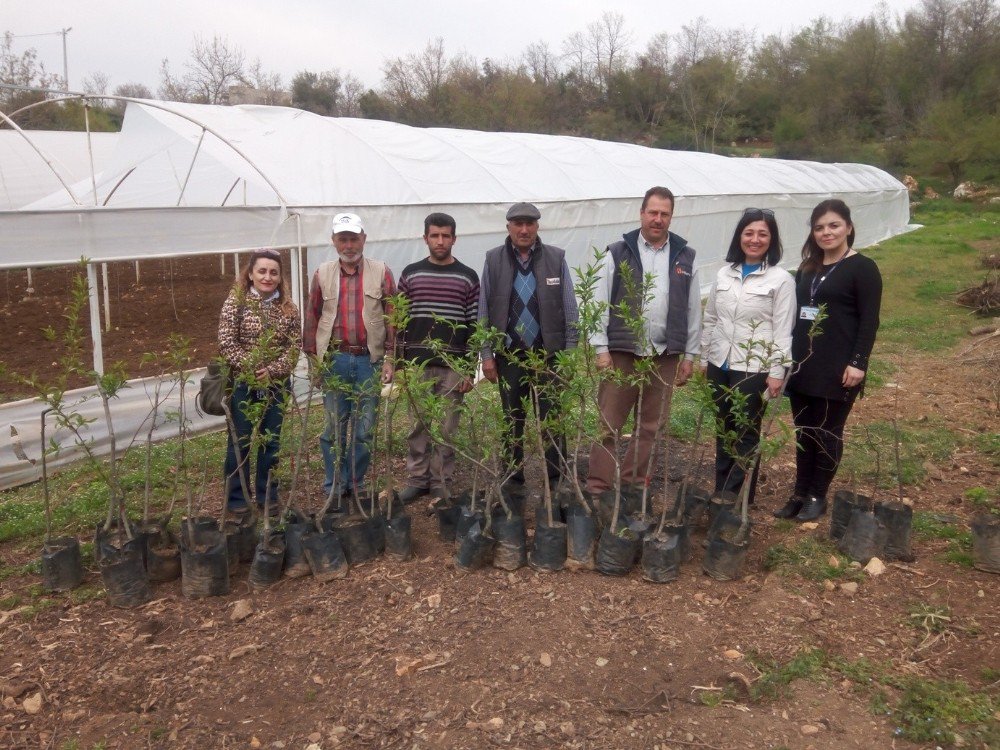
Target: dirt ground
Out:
[422,655]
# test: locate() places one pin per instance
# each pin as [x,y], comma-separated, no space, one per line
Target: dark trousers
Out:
[742,422]
[515,383]
[243,405]
[819,432]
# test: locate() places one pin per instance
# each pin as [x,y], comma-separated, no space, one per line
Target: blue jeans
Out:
[351,401]
[267,451]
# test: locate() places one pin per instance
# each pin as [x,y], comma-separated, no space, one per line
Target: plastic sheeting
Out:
[24,175]
[205,179]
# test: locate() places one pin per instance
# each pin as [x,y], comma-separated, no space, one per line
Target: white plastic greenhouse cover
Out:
[205,179]
[24,176]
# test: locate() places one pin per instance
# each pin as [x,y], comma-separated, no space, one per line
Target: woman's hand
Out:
[261,374]
[387,372]
[852,376]
[774,386]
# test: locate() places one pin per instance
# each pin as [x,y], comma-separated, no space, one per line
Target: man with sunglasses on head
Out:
[347,332]
[670,336]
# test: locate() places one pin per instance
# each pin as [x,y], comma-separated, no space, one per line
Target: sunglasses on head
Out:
[267,253]
[762,211]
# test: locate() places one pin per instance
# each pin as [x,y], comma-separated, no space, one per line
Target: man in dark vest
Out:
[670,335]
[526,293]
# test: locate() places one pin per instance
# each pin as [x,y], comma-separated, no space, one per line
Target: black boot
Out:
[791,508]
[812,508]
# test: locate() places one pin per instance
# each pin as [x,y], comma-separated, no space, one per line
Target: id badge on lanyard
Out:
[809,312]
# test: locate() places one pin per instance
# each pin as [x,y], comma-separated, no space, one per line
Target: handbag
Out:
[214,390]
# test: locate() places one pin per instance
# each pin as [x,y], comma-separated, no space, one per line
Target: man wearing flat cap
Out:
[526,293]
[347,333]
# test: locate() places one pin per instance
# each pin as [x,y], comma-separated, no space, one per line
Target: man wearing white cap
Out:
[347,332]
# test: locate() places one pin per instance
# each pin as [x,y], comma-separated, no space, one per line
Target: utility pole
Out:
[64,32]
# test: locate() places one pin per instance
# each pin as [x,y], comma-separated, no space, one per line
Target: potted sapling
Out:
[618,548]
[354,526]
[576,374]
[487,508]
[62,566]
[548,550]
[319,544]
[729,534]
[664,549]
[985,530]
[118,546]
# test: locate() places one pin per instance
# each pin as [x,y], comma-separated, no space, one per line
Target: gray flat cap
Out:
[523,211]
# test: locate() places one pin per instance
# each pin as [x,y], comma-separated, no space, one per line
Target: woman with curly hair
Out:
[259,338]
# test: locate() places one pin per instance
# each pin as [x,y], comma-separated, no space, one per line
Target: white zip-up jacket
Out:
[748,322]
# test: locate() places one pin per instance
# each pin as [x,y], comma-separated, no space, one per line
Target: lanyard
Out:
[815,283]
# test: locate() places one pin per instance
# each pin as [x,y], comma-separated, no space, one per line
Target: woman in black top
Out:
[830,362]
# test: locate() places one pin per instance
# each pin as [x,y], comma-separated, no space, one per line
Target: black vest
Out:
[546,264]
[620,338]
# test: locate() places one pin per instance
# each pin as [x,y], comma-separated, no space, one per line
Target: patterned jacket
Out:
[254,333]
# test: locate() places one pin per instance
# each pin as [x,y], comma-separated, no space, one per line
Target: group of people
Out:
[763,333]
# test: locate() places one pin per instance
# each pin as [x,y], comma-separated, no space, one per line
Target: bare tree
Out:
[214,67]
[541,63]
[173,89]
[267,87]
[96,83]
[132,90]
[607,42]
[351,91]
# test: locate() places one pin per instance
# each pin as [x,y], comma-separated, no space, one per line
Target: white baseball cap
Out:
[348,223]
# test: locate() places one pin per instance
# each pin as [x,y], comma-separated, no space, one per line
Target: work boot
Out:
[812,508]
[791,508]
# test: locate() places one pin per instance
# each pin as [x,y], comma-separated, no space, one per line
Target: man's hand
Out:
[684,371]
[604,361]
[490,370]
[387,372]
[465,386]
[774,386]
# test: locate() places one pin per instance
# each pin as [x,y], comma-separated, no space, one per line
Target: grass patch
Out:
[869,452]
[922,710]
[988,443]
[809,558]
[930,618]
[938,710]
[928,526]
[775,678]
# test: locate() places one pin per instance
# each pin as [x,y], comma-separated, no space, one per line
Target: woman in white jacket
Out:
[746,341]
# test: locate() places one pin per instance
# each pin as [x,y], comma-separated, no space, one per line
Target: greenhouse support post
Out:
[95,319]
[107,298]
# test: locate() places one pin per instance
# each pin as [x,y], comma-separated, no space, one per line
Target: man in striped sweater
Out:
[444,304]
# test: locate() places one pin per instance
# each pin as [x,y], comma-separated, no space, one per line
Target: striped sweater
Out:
[444,305]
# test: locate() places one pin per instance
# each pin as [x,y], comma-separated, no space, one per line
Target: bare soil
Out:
[422,655]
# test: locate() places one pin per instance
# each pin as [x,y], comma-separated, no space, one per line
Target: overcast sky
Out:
[128,40]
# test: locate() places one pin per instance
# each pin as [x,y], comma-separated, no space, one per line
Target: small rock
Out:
[241,610]
[732,654]
[981,594]
[875,567]
[236,653]
[809,729]
[829,585]
[254,743]
[540,727]
[32,704]
[338,731]
[601,662]
[313,746]
[434,601]
[814,615]
[855,565]
[850,588]
[410,590]
[833,562]
[495,723]
[315,737]
[809,526]
[545,660]
[567,728]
